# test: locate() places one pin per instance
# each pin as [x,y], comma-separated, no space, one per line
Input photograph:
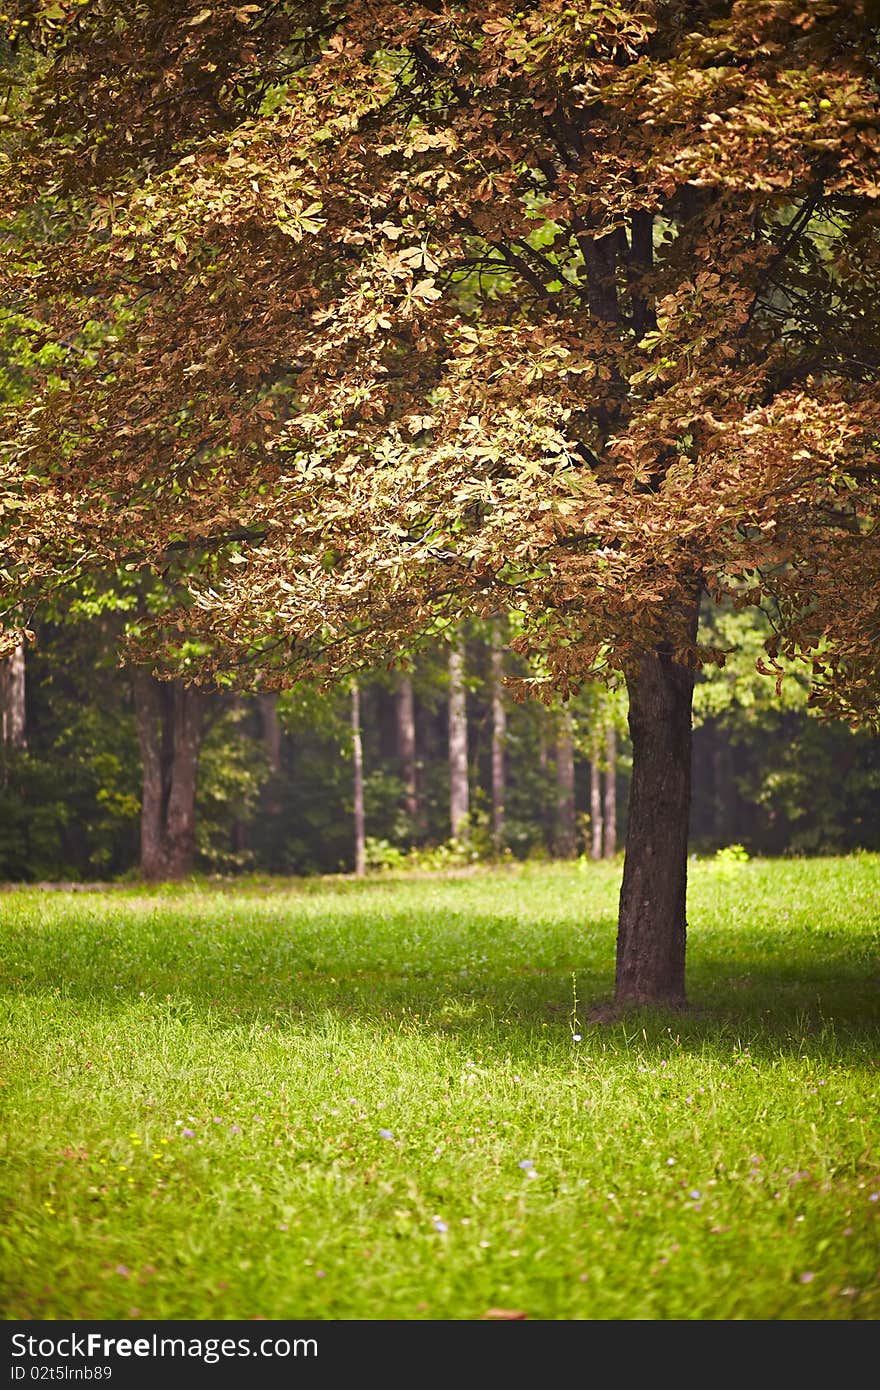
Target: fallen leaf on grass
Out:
[504,1314]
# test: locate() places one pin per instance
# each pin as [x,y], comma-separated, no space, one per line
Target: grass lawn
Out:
[384,1100]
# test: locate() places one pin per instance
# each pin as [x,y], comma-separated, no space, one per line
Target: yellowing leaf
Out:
[426,290]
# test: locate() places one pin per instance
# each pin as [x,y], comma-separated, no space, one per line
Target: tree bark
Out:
[610,816]
[180,815]
[148,705]
[566,829]
[595,799]
[652,924]
[459,801]
[357,749]
[12,699]
[499,734]
[169,724]
[406,748]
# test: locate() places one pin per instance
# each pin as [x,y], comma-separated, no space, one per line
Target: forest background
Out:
[273,784]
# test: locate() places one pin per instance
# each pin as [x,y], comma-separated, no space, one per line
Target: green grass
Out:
[317,1100]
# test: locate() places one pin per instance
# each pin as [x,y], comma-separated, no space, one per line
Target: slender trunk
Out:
[148,704]
[169,723]
[459,806]
[652,926]
[406,748]
[595,799]
[357,749]
[13,699]
[610,817]
[180,814]
[566,829]
[499,733]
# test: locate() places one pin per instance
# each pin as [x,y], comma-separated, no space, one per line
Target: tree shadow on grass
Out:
[537,988]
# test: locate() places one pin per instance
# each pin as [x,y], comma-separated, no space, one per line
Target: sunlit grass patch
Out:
[387,1101]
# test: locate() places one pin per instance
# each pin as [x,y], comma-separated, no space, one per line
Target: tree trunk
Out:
[357,749]
[651,926]
[595,799]
[499,733]
[169,725]
[12,699]
[406,748]
[148,706]
[459,804]
[566,829]
[180,814]
[610,817]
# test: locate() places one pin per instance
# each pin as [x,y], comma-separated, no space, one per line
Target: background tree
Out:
[406,748]
[459,791]
[499,734]
[169,718]
[596,807]
[357,758]
[609,803]
[13,701]
[70,802]
[566,820]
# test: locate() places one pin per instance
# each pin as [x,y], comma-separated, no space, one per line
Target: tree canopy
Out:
[571,310]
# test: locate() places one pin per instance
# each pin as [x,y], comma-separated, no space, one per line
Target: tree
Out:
[169,717]
[13,704]
[357,757]
[406,747]
[459,793]
[566,822]
[499,734]
[442,309]
[70,800]
[596,825]
[609,804]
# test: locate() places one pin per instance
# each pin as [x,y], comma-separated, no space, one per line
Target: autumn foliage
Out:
[572,310]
